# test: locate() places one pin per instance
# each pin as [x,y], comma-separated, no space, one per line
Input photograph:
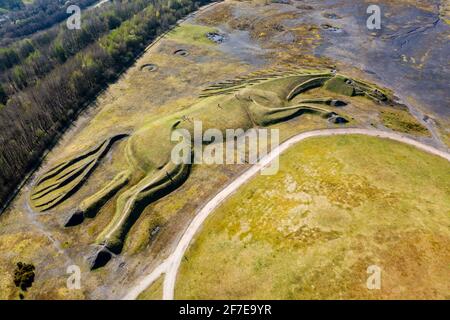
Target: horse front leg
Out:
[129,206]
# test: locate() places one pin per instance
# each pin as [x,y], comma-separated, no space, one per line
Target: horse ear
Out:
[176,123]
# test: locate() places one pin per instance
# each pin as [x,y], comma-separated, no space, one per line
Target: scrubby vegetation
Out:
[43,98]
[402,121]
[24,275]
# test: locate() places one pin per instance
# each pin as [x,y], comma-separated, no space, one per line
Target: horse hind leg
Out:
[90,206]
[130,204]
[62,181]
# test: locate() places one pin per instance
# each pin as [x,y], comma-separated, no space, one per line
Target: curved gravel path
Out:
[171,265]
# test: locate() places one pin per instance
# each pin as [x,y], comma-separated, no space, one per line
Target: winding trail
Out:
[171,265]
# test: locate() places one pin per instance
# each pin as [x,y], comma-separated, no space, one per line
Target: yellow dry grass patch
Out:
[136,98]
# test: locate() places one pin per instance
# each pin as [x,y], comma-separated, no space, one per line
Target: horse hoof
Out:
[99,258]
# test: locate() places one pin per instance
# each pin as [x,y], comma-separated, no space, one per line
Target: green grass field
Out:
[337,205]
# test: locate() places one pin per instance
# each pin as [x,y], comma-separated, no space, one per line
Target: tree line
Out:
[35,115]
[39,15]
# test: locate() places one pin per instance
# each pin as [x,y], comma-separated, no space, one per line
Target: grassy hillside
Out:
[337,206]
